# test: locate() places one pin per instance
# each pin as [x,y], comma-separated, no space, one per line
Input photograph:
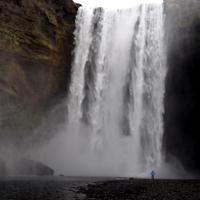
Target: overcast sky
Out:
[114,3]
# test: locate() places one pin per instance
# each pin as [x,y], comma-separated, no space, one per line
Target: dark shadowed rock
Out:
[2,168]
[24,167]
[29,167]
[182,100]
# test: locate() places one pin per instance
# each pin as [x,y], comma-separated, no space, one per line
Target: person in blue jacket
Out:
[153,174]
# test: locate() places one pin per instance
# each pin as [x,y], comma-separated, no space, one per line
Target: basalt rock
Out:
[36,43]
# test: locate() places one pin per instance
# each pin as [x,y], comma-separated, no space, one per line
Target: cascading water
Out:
[114,123]
[115,105]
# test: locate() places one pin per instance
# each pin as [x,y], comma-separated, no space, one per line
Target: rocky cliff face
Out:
[36,41]
[182,102]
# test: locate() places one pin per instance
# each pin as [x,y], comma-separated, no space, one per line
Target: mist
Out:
[113,123]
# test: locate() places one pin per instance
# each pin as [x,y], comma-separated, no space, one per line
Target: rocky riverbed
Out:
[141,189]
[77,188]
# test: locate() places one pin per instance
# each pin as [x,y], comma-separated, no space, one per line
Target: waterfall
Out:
[115,106]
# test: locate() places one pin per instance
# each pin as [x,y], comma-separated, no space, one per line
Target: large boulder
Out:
[23,167]
[27,167]
[36,43]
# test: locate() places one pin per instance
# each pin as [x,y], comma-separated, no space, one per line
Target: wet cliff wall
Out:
[36,41]
[182,99]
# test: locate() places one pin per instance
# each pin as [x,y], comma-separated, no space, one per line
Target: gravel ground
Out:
[141,189]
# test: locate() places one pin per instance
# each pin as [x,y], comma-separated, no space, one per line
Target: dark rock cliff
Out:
[36,41]
[182,100]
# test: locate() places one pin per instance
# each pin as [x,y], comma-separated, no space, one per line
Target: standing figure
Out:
[153,175]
